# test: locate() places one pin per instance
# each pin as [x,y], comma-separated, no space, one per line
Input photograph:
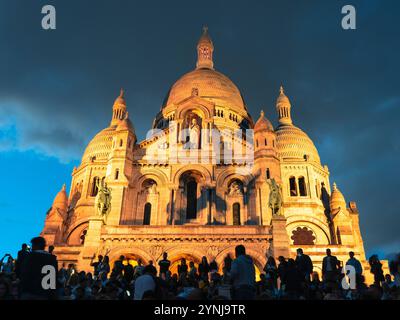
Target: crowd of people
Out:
[281,279]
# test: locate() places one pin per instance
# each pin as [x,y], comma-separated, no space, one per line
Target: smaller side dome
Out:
[263,123]
[61,200]
[337,200]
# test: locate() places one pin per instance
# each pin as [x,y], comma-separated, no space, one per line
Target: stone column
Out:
[280,238]
[171,208]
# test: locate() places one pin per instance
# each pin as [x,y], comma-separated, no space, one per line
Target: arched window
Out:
[257,143]
[116,174]
[191,209]
[268,174]
[236,214]
[265,142]
[121,142]
[293,187]
[302,187]
[147,214]
[94,188]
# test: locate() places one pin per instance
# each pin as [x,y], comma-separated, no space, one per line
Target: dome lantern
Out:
[119,109]
[283,107]
[205,50]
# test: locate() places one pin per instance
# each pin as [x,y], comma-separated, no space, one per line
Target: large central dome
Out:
[211,85]
[208,84]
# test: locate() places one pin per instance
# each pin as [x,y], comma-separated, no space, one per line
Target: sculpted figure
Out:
[194,134]
[275,197]
[235,188]
[103,199]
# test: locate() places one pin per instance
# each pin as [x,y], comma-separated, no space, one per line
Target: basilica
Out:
[206,178]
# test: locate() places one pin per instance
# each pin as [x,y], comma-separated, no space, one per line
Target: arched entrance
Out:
[191,200]
[176,261]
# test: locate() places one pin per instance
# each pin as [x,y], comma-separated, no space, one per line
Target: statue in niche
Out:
[103,198]
[235,189]
[151,188]
[194,135]
[275,197]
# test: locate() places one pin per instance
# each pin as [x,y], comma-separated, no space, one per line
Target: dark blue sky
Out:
[57,89]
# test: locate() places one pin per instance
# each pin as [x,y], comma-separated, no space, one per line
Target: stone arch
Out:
[259,258]
[194,168]
[197,108]
[189,253]
[135,251]
[157,175]
[321,235]
[74,235]
[227,176]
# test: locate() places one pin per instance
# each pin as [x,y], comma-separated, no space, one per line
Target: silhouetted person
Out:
[282,270]
[152,267]
[271,273]
[294,279]
[96,265]
[356,264]
[139,269]
[243,275]
[128,273]
[164,264]
[104,268]
[118,267]
[376,270]
[145,283]
[22,254]
[204,268]
[182,269]
[228,263]
[330,267]
[304,265]
[51,249]
[31,272]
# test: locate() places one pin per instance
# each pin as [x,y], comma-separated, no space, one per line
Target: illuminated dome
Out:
[293,142]
[337,199]
[211,85]
[61,200]
[263,124]
[208,83]
[100,146]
